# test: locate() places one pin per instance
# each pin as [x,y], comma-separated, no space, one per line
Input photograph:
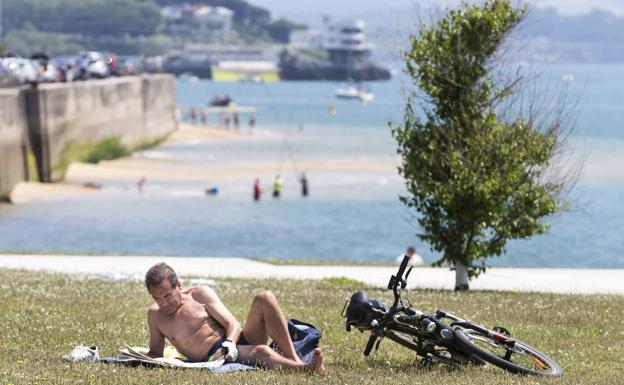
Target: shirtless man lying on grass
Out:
[197,323]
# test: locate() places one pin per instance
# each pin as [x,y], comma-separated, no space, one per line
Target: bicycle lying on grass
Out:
[442,336]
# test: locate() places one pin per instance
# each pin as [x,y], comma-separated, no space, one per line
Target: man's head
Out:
[163,284]
[410,251]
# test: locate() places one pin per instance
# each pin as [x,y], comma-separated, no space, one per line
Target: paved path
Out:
[582,281]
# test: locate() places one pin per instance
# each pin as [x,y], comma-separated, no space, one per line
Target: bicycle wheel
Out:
[517,358]
[406,338]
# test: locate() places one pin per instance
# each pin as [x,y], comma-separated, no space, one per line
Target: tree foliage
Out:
[95,18]
[88,17]
[477,177]
[252,23]
[25,42]
[245,14]
[280,30]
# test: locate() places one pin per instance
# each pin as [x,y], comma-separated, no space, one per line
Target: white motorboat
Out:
[353,92]
[188,77]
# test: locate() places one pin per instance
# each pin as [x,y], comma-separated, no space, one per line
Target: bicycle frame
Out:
[442,336]
[428,329]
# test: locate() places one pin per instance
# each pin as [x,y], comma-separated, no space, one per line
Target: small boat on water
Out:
[355,92]
[221,101]
[188,77]
[567,78]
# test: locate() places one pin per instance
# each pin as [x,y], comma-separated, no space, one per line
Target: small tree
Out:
[477,166]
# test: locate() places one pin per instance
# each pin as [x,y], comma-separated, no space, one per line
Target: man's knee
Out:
[265,296]
[261,352]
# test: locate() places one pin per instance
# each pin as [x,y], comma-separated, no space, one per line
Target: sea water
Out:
[353,211]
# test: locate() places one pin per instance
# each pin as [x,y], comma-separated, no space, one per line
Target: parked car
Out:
[151,64]
[129,65]
[53,72]
[22,70]
[92,64]
[6,80]
[67,65]
[48,70]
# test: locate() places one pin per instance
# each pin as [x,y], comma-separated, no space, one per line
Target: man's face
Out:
[167,298]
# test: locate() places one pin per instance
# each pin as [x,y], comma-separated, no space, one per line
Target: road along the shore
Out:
[567,281]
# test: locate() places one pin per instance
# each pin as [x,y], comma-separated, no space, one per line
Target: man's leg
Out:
[265,320]
[263,355]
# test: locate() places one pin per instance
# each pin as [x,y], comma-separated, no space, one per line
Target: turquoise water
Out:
[351,213]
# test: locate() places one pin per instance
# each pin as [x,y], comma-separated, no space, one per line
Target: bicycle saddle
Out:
[359,312]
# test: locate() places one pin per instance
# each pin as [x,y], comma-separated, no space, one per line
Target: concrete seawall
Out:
[13,143]
[134,109]
[55,116]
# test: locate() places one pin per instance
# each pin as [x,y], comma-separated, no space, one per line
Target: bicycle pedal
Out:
[502,330]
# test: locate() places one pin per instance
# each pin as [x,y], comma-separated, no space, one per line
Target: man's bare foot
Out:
[316,366]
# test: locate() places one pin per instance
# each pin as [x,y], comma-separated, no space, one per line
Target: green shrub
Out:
[107,149]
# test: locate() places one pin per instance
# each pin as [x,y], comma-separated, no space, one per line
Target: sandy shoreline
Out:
[565,281]
[25,192]
[189,132]
[131,169]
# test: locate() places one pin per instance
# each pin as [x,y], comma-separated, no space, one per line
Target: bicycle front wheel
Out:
[516,357]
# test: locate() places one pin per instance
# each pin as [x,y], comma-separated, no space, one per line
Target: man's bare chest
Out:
[190,320]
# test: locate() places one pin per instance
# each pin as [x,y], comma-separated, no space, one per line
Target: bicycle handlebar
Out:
[403,267]
[397,279]
[395,282]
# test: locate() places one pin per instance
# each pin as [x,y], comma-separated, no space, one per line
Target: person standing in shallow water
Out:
[236,121]
[278,183]
[193,115]
[304,185]
[257,191]
[252,123]
[140,184]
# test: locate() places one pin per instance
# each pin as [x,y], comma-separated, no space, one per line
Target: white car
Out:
[94,64]
[5,77]
[23,70]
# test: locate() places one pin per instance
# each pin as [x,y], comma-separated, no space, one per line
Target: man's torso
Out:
[191,329]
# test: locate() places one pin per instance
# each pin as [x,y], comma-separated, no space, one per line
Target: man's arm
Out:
[156,338]
[217,310]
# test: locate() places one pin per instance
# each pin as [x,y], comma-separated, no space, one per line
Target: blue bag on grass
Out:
[305,337]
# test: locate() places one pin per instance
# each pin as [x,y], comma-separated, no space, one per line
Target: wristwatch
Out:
[224,349]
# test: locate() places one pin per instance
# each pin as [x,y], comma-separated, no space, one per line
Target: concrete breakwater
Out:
[13,140]
[45,120]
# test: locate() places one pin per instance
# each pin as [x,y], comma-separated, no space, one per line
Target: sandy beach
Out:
[189,132]
[86,178]
[81,177]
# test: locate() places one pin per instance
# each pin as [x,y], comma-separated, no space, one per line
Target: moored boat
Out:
[354,92]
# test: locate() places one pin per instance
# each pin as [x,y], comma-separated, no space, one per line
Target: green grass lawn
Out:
[45,315]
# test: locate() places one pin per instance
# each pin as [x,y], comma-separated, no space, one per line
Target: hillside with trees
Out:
[123,26]
[252,23]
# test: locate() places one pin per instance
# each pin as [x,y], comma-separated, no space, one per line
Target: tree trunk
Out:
[461,277]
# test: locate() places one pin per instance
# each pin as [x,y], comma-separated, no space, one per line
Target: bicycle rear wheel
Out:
[517,358]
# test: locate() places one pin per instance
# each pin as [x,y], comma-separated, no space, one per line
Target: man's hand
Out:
[229,351]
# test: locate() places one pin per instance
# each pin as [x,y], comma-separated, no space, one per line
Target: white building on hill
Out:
[199,21]
[344,41]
